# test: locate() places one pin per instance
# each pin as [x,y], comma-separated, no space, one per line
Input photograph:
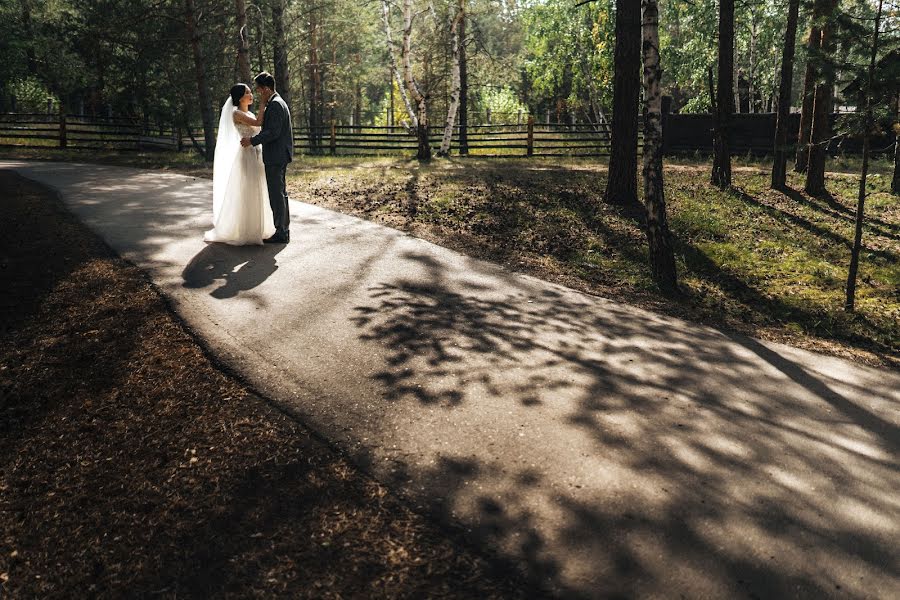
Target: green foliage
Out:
[569,56]
[31,95]
[502,102]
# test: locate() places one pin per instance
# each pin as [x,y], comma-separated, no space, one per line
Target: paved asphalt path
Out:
[605,450]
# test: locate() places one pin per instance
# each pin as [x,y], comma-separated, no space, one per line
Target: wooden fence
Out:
[83,133]
[750,133]
[528,139]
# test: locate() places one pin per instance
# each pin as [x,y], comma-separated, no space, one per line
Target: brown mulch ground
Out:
[130,466]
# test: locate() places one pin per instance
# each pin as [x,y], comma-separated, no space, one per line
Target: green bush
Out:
[31,95]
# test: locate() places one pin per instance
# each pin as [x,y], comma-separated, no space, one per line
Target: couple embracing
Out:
[250,202]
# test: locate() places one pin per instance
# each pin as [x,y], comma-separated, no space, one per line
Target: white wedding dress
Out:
[241,211]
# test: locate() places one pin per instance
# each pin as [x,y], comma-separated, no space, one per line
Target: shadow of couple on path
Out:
[239,268]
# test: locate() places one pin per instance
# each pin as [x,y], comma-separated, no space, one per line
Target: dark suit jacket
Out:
[276,136]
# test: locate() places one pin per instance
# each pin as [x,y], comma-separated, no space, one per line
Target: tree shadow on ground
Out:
[672,459]
[836,210]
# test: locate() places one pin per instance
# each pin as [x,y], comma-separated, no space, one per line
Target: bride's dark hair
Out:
[237,92]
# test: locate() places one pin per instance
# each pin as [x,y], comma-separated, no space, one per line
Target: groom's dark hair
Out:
[265,79]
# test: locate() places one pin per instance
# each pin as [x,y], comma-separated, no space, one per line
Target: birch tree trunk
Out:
[389,39]
[779,166]
[206,110]
[751,79]
[721,173]
[282,70]
[621,183]
[659,239]
[424,152]
[849,303]
[454,79]
[243,48]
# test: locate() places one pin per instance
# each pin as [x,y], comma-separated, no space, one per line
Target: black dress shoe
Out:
[277,239]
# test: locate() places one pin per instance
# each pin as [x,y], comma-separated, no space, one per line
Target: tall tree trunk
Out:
[849,303]
[895,182]
[751,78]
[721,172]
[401,85]
[424,152]
[810,77]
[206,110]
[779,166]
[463,91]
[621,184]
[243,48]
[315,86]
[280,59]
[822,99]
[659,239]
[454,79]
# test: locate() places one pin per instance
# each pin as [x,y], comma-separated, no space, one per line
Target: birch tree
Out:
[454,78]
[659,239]
[409,17]
[392,59]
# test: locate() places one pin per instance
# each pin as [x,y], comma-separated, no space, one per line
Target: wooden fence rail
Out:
[751,133]
[531,139]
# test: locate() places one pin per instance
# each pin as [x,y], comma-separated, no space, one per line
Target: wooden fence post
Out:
[530,150]
[63,137]
[333,140]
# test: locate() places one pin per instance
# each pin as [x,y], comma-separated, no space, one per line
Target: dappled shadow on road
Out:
[636,454]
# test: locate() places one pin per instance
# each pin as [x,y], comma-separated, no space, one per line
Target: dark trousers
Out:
[278,198]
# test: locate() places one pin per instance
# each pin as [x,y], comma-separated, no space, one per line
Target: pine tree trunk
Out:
[282,70]
[849,303]
[454,80]
[463,91]
[243,48]
[895,182]
[621,184]
[721,173]
[659,239]
[206,110]
[315,87]
[779,166]
[822,99]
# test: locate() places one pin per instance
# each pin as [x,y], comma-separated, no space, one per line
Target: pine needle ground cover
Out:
[131,467]
[751,260]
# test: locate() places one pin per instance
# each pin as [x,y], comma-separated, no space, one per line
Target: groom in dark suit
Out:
[277,141]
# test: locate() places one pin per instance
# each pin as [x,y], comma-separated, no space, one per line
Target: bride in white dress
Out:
[241,211]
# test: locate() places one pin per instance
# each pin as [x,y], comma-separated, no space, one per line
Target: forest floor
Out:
[765,263]
[120,478]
